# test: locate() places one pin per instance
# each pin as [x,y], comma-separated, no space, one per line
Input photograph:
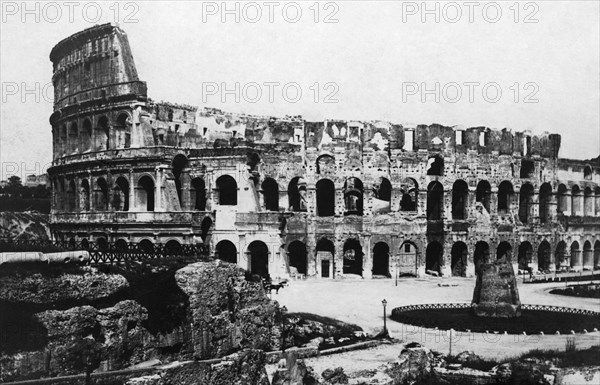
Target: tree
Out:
[14,181]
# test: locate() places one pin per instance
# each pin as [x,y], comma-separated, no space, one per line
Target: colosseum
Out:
[283,196]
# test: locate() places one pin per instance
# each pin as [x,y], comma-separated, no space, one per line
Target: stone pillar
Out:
[312,267]
[185,179]
[446,268]
[91,203]
[569,204]
[338,258]
[367,256]
[494,201]
[158,189]
[131,196]
[552,259]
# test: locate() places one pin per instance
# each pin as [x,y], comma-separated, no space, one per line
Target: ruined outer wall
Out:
[437,198]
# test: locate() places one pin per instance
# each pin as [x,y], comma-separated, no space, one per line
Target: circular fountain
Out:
[496,308]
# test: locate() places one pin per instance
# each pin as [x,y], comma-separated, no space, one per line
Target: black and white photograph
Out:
[361,192]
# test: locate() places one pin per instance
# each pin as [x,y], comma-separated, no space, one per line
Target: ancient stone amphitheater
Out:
[285,196]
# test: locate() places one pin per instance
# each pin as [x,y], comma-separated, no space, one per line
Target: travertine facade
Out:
[326,199]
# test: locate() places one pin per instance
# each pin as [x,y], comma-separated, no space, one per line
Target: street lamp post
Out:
[384,303]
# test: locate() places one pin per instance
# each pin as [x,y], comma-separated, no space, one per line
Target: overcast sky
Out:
[374,60]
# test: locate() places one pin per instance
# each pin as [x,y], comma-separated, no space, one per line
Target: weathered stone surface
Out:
[244,368]
[25,225]
[415,365]
[496,293]
[81,286]
[335,376]
[292,371]
[227,312]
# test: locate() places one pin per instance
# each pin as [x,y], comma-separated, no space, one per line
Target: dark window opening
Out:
[227,190]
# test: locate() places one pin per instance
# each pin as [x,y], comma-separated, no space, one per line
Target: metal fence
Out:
[110,253]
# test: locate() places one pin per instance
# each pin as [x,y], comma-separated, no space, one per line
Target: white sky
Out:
[370,54]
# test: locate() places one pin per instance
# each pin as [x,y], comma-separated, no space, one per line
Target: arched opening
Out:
[102,134]
[84,196]
[410,195]
[525,199]
[85,244]
[198,194]
[71,196]
[101,195]
[525,254]
[544,257]
[587,173]
[325,164]
[173,247]
[460,196]
[408,260]
[146,246]
[576,257]
[227,190]
[504,250]
[561,258]
[588,256]
[382,196]
[435,201]
[205,229]
[576,206]
[384,191]
[563,199]
[459,259]
[505,196]
[588,202]
[325,198]
[527,169]
[353,257]
[145,193]
[253,160]
[325,253]
[258,254]
[226,251]
[87,136]
[435,165]
[481,254]
[544,198]
[121,246]
[178,165]
[297,257]
[381,259]
[102,244]
[597,255]
[434,259]
[483,194]
[270,191]
[73,138]
[121,194]
[353,197]
[123,130]
[297,194]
